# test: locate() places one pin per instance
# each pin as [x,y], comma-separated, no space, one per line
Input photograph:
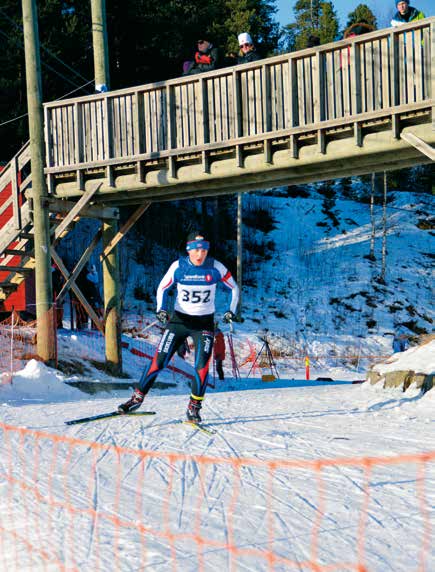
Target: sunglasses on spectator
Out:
[246,45]
[201,41]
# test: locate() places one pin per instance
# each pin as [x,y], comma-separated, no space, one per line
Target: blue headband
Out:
[198,244]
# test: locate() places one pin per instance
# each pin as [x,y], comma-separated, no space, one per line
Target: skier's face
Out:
[197,256]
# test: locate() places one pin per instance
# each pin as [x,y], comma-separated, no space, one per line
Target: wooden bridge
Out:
[345,108]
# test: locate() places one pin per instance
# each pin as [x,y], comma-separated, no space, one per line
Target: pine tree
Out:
[362,13]
[328,23]
[256,17]
[313,18]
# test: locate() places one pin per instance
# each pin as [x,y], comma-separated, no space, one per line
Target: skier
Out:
[196,277]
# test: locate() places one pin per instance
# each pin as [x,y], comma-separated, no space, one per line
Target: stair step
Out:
[14,252]
[17,269]
[10,286]
[26,235]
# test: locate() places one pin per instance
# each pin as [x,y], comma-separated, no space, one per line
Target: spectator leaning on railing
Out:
[205,59]
[406,14]
[247,52]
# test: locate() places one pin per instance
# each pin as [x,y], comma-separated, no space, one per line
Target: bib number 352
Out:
[196,296]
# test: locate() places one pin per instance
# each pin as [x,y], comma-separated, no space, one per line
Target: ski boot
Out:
[133,403]
[192,412]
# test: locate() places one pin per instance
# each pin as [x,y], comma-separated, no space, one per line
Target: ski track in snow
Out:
[293,423]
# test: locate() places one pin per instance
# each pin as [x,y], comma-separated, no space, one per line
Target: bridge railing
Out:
[352,80]
[15,178]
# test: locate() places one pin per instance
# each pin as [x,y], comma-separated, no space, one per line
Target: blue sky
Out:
[382,10]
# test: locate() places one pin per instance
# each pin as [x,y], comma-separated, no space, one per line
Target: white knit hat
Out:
[244,38]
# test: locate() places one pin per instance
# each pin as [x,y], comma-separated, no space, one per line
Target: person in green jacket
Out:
[406,14]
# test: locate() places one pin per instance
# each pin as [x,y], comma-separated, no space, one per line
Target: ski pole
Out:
[150,325]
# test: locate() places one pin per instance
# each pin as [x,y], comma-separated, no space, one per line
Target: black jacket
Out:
[249,57]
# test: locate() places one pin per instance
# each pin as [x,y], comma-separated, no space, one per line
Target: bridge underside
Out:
[281,159]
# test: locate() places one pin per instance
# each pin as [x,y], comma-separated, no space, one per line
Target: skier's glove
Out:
[229,317]
[163,317]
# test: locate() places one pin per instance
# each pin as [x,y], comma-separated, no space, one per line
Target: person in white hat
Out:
[247,51]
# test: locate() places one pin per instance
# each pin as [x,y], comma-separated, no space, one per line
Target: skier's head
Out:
[197,248]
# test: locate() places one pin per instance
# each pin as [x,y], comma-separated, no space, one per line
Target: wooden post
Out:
[239,250]
[384,230]
[99,39]
[44,292]
[431,66]
[112,307]
[372,219]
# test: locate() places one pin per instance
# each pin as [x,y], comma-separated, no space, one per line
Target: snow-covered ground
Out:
[301,475]
[149,493]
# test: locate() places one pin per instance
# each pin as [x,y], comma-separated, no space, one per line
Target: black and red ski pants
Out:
[180,327]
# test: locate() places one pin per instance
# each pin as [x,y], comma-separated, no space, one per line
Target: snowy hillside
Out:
[309,281]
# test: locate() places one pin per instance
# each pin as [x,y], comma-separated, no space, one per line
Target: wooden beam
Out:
[419,144]
[84,199]
[63,206]
[58,260]
[16,269]
[15,252]
[79,266]
[8,286]
[125,228]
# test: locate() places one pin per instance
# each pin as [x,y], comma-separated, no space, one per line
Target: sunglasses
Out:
[201,41]
[245,45]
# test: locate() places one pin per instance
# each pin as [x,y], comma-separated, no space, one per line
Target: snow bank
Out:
[420,359]
[38,382]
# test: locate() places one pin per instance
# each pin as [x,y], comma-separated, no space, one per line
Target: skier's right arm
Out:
[166,284]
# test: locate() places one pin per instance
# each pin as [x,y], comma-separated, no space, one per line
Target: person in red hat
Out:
[195,278]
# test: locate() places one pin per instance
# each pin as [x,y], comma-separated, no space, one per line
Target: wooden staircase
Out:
[16,243]
[17,260]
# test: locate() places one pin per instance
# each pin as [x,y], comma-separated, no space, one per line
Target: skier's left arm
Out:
[228,281]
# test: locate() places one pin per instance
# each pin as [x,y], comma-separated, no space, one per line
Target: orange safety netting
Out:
[17,345]
[69,504]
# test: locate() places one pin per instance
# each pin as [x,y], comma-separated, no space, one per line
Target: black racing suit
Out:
[181,326]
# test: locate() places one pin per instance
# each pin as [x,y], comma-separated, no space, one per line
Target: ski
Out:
[201,427]
[108,415]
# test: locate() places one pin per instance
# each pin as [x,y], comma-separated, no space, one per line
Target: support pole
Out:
[43,284]
[110,263]
[99,40]
[112,307]
[239,250]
